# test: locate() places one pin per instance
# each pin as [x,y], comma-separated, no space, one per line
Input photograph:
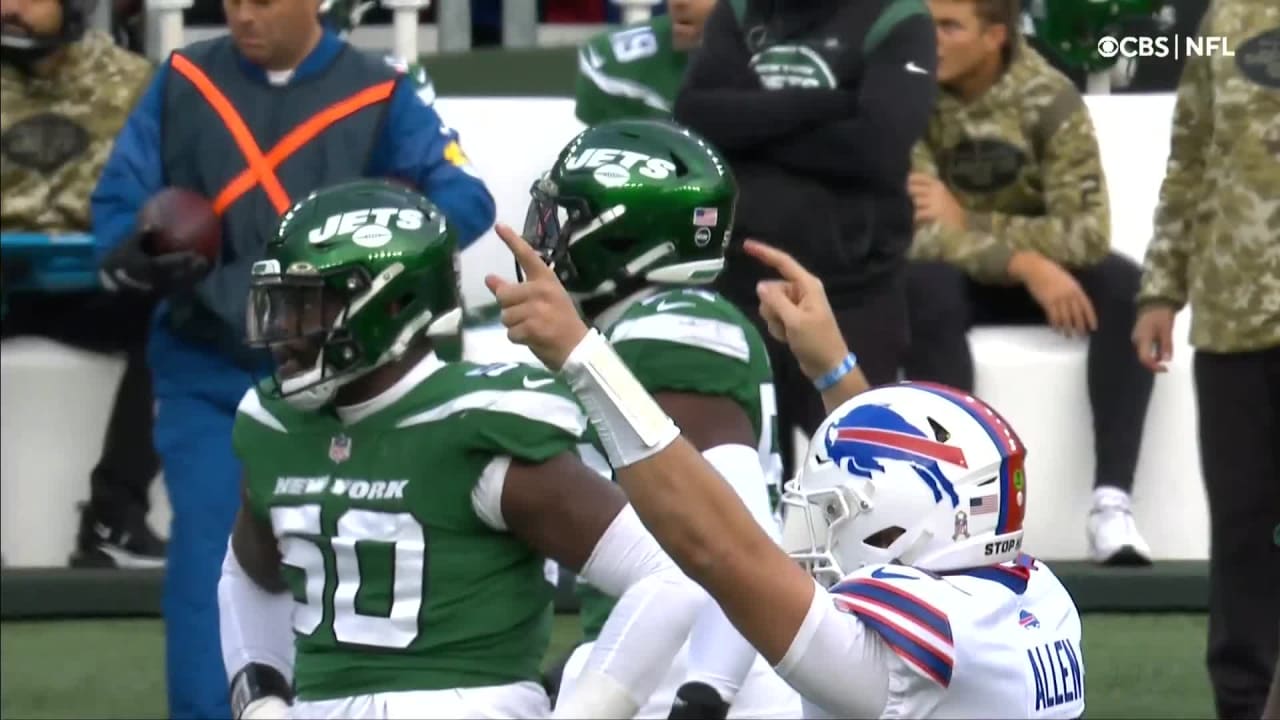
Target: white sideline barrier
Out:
[53,413]
[1034,377]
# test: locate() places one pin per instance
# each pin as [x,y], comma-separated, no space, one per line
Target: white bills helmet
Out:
[915,473]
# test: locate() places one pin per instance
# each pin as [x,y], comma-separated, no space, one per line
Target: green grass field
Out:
[1139,666]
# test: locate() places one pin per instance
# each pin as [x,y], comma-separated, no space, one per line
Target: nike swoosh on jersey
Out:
[914,68]
[664,305]
[882,574]
[535,384]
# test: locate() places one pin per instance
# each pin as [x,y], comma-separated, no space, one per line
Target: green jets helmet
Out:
[633,202]
[1073,29]
[353,275]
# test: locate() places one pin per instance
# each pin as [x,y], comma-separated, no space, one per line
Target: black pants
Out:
[106,323]
[1239,427]
[944,304]
[875,329]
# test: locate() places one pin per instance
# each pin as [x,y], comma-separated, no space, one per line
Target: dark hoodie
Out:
[816,104]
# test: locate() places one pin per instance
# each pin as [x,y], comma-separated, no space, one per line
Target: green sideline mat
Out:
[534,72]
[1175,586]
[1138,666]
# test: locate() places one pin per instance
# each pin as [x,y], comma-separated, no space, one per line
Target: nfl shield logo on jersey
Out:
[340,448]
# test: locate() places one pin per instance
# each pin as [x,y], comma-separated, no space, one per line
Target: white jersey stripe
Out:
[904,638]
[251,406]
[715,335]
[531,405]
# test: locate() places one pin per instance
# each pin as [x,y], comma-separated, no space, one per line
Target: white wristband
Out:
[628,420]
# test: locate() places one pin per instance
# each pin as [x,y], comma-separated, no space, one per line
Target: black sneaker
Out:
[698,701]
[124,543]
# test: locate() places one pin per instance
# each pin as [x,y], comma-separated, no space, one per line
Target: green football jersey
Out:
[398,581]
[693,340]
[630,73]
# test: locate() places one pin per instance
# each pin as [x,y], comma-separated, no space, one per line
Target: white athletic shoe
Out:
[1113,535]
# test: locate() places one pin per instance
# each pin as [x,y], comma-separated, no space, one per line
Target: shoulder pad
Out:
[594,52]
[888,598]
[515,390]
[687,316]
[252,408]
[692,300]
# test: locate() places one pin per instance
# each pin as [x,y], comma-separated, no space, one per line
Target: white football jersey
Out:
[997,641]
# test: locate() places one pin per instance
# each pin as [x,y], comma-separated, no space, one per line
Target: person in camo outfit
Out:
[64,94]
[1217,245]
[635,72]
[1013,226]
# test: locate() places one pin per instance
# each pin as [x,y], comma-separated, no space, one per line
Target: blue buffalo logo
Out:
[870,434]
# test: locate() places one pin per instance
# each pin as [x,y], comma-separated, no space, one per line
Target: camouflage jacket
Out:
[1023,161]
[1217,227]
[56,131]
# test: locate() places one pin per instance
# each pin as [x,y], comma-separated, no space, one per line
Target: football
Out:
[180,220]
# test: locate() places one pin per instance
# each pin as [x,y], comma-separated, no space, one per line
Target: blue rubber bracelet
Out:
[846,366]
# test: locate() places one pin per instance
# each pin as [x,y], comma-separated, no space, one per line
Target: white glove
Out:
[268,707]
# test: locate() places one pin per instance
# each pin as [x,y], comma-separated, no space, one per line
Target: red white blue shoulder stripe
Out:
[917,631]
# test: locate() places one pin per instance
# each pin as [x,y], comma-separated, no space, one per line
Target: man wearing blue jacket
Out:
[254,121]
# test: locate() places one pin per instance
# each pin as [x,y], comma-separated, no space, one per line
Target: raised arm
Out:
[694,514]
[571,514]
[797,313]
[692,511]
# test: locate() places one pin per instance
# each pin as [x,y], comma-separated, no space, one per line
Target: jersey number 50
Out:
[305,548]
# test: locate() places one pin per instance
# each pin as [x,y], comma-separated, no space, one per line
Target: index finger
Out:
[786,265]
[526,257]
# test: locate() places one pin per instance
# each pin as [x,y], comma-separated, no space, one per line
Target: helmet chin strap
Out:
[311,399]
[316,393]
[309,391]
